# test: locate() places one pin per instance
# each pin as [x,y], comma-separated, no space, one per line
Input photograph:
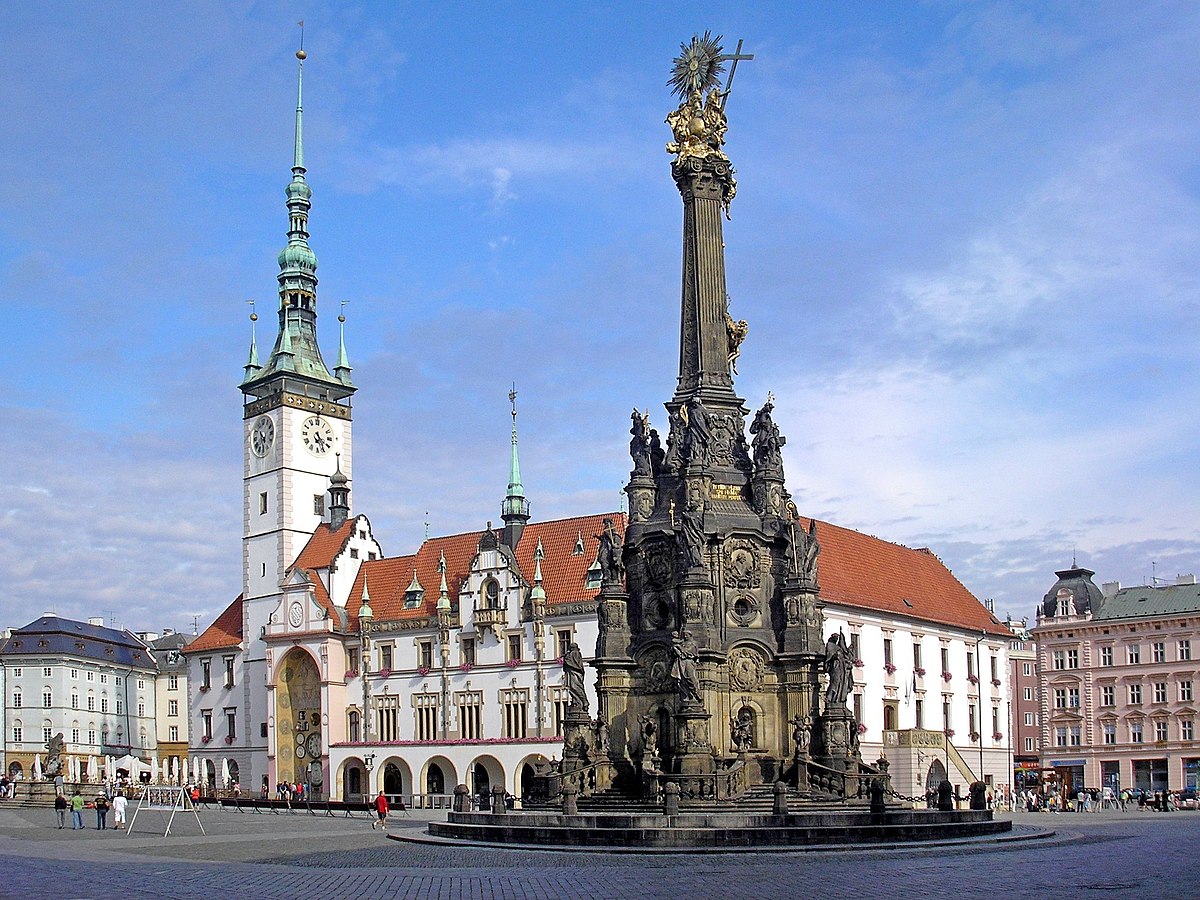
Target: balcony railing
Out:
[491,617]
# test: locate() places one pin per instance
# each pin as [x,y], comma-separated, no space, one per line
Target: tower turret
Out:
[515,509]
[339,497]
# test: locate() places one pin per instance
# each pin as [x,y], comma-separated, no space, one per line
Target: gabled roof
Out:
[855,569]
[564,574]
[325,544]
[225,632]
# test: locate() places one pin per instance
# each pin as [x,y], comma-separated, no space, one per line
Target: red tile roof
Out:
[856,569]
[324,545]
[225,631]
[564,574]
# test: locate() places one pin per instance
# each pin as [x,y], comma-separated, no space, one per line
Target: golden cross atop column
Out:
[734,57]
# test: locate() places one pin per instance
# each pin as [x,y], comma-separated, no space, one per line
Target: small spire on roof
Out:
[365,611]
[539,554]
[415,585]
[442,563]
[579,547]
[342,370]
[252,364]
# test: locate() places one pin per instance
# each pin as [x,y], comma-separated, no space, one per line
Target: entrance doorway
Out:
[1150,774]
[935,776]
[393,781]
[435,780]
[483,783]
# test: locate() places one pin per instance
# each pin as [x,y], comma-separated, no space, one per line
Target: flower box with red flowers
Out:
[890,668]
[995,682]
[858,664]
[513,663]
[974,679]
[997,736]
[946,676]
[229,738]
[919,671]
[205,739]
[949,732]
[465,667]
[351,673]
[558,660]
[204,689]
[862,729]
[974,736]
[422,670]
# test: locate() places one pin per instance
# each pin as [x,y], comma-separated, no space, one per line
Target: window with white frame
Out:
[1187,729]
[1073,658]
[47,671]
[47,699]
[17,735]
[1108,695]
[1106,656]
[74,701]
[470,714]
[1158,651]
[172,707]
[173,733]
[1026,669]
[1160,730]
[1160,692]
[74,735]
[1028,693]
[425,706]
[206,723]
[560,700]
[1110,733]
[1135,732]
[1060,736]
[1060,659]
[172,682]
[1185,649]
[1185,690]
[515,704]
[1028,745]
[387,717]
[18,699]
[1076,736]
[1135,694]
[1133,654]
[1029,718]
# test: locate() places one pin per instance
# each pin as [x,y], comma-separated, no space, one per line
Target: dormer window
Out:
[579,548]
[594,576]
[491,593]
[415,594]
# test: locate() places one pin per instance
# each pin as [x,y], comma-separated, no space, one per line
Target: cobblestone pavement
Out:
[1117,855]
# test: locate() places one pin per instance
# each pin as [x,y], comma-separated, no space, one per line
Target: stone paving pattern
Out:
[1112,854]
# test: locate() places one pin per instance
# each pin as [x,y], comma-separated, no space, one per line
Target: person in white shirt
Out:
[118,807]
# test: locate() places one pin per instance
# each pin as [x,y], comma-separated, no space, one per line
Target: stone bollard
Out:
[498,806]
[978,794]
[875,789]
[781,799]
[945,797]
[569,808]
[462,798]
[671,799]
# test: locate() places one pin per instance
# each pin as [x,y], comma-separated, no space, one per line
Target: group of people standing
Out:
[76,804]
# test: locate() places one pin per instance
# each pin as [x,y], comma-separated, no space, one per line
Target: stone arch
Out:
[525,771]
[438,776]
[298,713]
[394,777]
[352,781]
[485,773]
[935,775]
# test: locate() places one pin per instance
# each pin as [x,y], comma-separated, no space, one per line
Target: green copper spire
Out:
[296,352]
[342,370]
[252,366]
[515,509]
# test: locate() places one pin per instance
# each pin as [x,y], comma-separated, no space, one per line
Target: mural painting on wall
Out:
[298,719]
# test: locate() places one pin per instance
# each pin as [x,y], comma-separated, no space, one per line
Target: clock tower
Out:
[296,432]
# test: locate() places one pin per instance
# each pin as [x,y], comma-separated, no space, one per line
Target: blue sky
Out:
[965,238]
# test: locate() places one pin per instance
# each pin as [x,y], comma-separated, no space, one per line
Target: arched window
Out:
[435,781]
[491,593]
[352,728]
[18,700]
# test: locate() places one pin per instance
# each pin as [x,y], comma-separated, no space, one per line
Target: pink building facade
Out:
[1117,677]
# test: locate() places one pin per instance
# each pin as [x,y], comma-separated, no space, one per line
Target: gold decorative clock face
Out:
[317,435]
[262,436]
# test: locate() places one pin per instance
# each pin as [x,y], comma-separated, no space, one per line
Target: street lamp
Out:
[369,762]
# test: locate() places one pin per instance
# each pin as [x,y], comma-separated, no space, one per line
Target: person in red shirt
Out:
[381,809]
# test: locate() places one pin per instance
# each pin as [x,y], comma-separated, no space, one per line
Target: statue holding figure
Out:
[612,567]
[639,444]
[697,432]
[684,657]
[840,669]
[801,734]
[735,332]
[741,731]
[573,674]
[766,441]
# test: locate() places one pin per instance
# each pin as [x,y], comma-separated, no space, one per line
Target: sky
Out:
[966,239]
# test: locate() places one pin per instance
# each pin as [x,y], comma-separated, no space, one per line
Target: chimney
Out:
[1185,579]
[98,621]
[1110,588]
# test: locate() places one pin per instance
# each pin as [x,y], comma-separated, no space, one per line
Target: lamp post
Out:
[369,762]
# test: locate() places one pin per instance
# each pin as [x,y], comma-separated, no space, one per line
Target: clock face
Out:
[296,615]
[317,435]
[262,436]
[313,745]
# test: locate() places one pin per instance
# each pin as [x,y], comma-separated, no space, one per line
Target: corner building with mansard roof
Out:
[352,671]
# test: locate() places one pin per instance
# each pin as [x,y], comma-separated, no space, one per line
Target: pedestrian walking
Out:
[60,810]
[76,811]
[381,810]
[118,806]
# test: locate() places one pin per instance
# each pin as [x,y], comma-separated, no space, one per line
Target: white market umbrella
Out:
[37,767]
[224,772]
[174,777]
[94,768]
[154,766]
[73,769]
